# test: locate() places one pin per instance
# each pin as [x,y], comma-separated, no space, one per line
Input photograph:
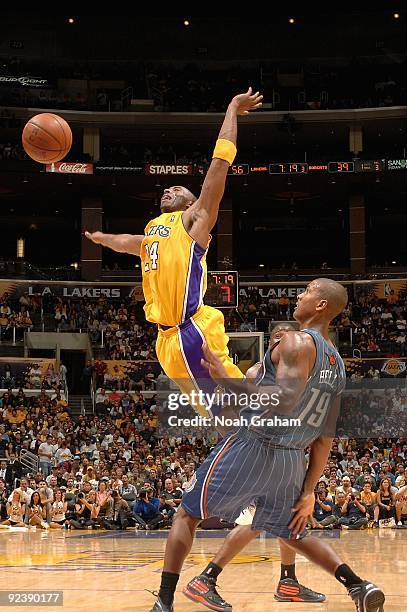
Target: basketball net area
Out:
[248,348]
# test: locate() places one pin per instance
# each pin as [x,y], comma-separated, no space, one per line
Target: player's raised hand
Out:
[303,508]
[246,102]
[95,237]
[213,364]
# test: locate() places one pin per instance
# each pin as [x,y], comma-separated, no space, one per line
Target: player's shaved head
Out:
[323,299]
[334,293]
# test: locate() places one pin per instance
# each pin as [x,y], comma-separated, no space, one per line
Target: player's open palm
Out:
[247,102]
[96,237]
[303,509]
[213,364]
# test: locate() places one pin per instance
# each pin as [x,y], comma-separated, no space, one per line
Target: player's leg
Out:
[178,546]
[367,596]
[234,543]
[289,588]
[202,588]
[179,352]
[219,486]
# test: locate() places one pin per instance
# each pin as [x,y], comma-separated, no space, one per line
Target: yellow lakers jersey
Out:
[174,271]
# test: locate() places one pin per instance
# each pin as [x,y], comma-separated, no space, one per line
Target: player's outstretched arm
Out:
[200,218]
[121,243]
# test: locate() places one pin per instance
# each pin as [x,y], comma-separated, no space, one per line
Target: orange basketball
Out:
[47,138]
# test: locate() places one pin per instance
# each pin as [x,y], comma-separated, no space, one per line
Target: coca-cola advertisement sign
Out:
[70,168]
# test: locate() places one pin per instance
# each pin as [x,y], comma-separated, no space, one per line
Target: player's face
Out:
[174,199]
[278,332]
[307,302]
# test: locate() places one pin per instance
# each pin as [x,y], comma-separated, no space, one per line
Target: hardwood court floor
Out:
[101,571]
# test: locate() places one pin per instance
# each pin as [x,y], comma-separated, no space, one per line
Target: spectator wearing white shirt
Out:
[45,454]
[3,467]
[63,453]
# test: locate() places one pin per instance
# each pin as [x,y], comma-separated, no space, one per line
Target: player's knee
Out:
[183,516]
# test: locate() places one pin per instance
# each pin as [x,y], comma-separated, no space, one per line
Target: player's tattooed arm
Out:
[201,217]
[121,243]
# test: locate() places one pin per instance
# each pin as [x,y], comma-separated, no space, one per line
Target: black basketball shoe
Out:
[291,590]
[202,589]
[367,597]
[159,606]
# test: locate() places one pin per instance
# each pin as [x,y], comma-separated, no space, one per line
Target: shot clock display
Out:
[223,289]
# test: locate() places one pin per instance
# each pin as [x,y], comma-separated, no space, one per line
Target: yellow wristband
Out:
[225,149]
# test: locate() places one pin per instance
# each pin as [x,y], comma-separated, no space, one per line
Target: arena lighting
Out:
[396,15]
[186,22]
[20,248]
[261,265]
[71,20]
[291,20]
[394,262]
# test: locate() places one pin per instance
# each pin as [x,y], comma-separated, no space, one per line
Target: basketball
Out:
[47,138]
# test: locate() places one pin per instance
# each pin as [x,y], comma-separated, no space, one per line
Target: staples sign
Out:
[168,169]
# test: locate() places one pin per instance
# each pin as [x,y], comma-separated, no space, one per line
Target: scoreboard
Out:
[223,289]
[332,167]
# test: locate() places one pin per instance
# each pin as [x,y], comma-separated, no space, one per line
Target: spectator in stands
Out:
[172,494]
[128,491]
[59,508]
[353,512]
[15,511]
[401,506]
[46,497]
[322,507]
[369,498]
[121,514]
[401,479]
[385,468]
[146,510]
[346,486]
[386,500]
[3,500]
[167,512]
[45,454]
[14,470]
[84,515]
[3,468]
[36,510]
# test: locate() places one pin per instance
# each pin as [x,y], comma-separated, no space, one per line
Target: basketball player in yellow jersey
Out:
[173,254]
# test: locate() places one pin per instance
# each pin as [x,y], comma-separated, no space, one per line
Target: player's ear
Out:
[322,304]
